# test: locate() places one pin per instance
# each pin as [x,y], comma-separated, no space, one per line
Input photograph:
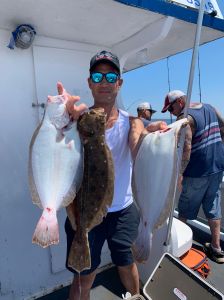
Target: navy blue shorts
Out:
[203,191]
[119,228]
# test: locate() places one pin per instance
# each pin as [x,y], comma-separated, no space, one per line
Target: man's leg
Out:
[212,210]
[215,226]
[213,249]
[212,207]
[130,278]
[81,286]
[191,197]
[123,230]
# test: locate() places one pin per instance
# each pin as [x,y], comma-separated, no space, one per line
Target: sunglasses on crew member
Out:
[170,108]
[97,77]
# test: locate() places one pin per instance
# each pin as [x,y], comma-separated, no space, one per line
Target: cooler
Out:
[172,280]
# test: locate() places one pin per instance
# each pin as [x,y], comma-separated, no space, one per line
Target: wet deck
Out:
[108,286]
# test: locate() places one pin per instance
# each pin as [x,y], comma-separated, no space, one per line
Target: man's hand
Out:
[158,125]
[73,110]
[138,132]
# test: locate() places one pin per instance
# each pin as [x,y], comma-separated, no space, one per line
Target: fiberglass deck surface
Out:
[107,285]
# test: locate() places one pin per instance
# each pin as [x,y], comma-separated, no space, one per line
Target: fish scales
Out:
[96,192]
[55,168]
[154,177]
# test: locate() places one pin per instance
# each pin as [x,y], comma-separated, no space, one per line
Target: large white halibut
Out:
[154,177]
[55,168]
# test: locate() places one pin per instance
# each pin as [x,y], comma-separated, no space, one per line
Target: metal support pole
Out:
[183,132]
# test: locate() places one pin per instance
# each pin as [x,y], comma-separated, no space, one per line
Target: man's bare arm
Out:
[136,134]
[187,149]
[221,124]
[190,129]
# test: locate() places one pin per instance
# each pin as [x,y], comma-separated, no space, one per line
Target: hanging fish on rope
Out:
[154,176]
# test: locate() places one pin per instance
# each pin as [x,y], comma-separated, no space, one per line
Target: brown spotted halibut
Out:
[96,192]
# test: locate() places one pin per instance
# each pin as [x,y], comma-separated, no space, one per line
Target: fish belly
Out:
[55,175]
[154,179]
[56,165]
[153,171]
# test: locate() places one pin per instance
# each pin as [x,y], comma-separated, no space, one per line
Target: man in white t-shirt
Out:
[123,134]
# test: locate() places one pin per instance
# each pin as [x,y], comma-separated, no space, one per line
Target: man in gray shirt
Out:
[145,112]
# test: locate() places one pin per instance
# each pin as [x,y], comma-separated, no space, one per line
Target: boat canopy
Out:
[139,32]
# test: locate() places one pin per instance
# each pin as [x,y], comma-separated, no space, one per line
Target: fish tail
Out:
[46,232]
[79,258]
[142,246]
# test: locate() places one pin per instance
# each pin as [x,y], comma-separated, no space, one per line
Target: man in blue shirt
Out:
[202,176]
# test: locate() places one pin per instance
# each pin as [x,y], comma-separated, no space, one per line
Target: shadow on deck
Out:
[107,286]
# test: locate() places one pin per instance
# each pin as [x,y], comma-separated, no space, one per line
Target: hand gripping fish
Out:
[55,167]
[154,176]
[96,192]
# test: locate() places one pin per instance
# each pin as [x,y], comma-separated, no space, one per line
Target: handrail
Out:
[187,104]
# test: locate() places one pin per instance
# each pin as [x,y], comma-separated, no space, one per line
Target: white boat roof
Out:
[141,35]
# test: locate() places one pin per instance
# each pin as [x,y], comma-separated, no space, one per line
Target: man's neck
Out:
[111,112]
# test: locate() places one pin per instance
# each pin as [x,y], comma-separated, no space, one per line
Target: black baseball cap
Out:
[105,56]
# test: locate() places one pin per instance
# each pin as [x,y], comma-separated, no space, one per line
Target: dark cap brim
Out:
[165,108]
[152,111]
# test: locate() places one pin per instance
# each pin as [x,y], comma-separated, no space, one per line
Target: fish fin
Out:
[71,215]
[79,258]
[98,217]
[47,232]
[142,245]
[34,194]
[70,196]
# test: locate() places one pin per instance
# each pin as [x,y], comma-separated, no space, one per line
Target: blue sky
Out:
[150,83]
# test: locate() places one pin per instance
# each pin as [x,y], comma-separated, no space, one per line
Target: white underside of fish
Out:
[154,178]
[55,171]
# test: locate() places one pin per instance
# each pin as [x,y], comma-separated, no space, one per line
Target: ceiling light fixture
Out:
[22,37]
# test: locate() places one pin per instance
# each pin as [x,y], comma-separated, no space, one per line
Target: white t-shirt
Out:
[117,141]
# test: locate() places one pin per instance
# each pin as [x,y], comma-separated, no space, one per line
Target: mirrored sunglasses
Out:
[97,77]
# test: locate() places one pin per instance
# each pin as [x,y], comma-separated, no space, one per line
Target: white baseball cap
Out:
[146,105]
[171,97]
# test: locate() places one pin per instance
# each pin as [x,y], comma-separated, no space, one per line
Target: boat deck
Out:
[108,286]
[216,276]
